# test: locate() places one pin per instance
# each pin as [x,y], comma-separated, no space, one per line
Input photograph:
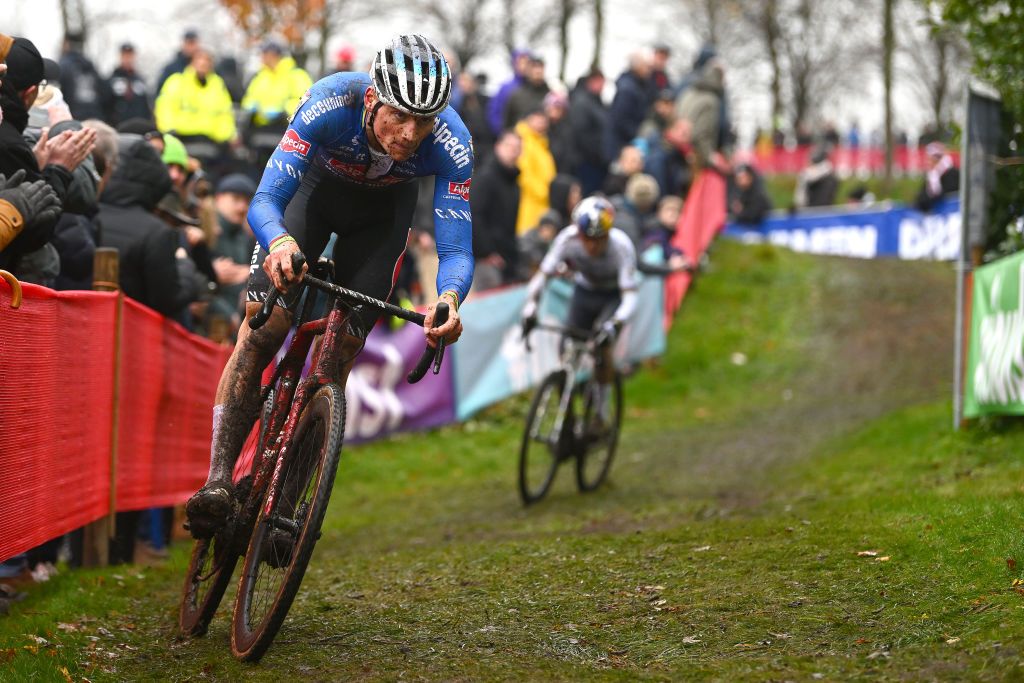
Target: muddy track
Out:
[881,340]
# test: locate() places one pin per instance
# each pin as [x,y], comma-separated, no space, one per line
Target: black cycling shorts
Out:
[372,225]
[590,307]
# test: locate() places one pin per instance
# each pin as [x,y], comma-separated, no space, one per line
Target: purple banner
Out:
[381,402]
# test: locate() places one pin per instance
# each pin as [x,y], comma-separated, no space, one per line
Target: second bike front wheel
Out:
[542,448]
[284,535]
[600,430]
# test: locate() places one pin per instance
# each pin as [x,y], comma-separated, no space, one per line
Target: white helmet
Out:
[412,75]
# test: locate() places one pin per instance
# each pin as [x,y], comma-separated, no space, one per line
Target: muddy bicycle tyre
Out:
[273,569]
[595,452]
[542,450]
[213,560]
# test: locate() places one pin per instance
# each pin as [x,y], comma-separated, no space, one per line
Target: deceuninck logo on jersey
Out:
[293,142]
[460,190]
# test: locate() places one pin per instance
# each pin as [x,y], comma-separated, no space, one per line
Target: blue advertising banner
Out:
[491,360]
[886,231]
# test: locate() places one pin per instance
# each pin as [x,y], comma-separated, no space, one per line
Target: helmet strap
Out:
[373,117]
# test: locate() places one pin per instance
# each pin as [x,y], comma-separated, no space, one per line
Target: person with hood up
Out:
[146,245]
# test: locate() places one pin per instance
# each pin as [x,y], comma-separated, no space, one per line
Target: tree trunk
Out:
[888,47]
[510,26]
[325,36]
[770,23]
[564,16]
[598,33]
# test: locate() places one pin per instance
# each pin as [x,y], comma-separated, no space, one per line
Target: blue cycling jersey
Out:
[328,130]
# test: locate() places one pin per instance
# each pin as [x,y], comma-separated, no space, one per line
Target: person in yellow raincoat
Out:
[195,106]
[273,94]
[536,170]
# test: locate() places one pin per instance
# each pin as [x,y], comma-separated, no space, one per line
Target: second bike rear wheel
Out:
[542,449]
[600,435]
[283,537]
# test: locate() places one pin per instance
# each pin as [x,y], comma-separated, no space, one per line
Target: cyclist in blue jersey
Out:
[347,165]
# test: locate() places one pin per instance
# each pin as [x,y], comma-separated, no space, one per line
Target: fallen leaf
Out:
[67,627]
[7,654]
[702,549]
[1018,582]
[1011,563]
[780,636]
[952,641]
[66,674]
[882,559]
[867,553]
[659,603]
[691,640]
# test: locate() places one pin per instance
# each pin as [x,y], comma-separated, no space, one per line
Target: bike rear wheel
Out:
[600,435]
[283,537]
[213,560]
[542,449]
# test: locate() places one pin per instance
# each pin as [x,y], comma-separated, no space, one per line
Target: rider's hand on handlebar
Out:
[450,330]
[278,265]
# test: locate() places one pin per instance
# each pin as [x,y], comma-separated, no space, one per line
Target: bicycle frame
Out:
[579,344]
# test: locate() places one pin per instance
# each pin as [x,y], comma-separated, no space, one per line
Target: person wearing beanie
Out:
[129,96]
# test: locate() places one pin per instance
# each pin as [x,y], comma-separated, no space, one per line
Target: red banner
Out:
[847,161]
[58,363]
[703,216]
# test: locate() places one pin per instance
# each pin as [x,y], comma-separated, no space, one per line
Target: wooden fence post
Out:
[97,535]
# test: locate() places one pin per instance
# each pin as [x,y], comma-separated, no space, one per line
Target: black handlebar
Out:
[436,355]
[431,353]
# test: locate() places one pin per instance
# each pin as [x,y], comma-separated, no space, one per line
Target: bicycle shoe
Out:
[277,548]
[209,509]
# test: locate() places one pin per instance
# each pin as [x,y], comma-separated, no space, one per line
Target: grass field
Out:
[789,503]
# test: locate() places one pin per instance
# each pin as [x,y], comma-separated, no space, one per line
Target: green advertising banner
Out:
[994,380]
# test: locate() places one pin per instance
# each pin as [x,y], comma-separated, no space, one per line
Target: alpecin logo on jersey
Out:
[460,190]
[460,153]
[293,142]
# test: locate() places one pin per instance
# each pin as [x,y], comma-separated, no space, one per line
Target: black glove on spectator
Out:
[36,202]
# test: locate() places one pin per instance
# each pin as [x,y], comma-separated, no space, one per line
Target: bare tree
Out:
[467,25]
[888,49]
[932,59]
[598,8]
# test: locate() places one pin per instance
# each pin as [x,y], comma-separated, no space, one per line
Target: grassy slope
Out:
[725,546]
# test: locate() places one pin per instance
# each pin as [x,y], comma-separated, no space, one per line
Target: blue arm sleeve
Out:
[279,183]
[453,230]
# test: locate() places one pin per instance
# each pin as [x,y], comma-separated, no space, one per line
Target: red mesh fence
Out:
[167,385]
[57,369]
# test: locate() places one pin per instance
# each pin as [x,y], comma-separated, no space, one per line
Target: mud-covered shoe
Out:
[209,509]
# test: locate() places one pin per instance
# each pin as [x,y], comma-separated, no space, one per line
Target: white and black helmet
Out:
[412,75]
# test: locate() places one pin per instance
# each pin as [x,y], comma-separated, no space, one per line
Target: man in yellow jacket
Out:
[536,170]
[196,106]
[272,96]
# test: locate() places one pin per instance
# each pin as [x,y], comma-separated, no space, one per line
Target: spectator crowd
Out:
[164,171]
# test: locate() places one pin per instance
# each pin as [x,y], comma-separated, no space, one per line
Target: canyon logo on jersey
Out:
[293,142]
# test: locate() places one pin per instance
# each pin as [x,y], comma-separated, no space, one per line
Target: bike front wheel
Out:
[544,445]
[600,430]
[288,524]
[213,560]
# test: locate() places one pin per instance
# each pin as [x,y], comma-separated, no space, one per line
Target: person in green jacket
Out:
[195,105]
[273,94]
